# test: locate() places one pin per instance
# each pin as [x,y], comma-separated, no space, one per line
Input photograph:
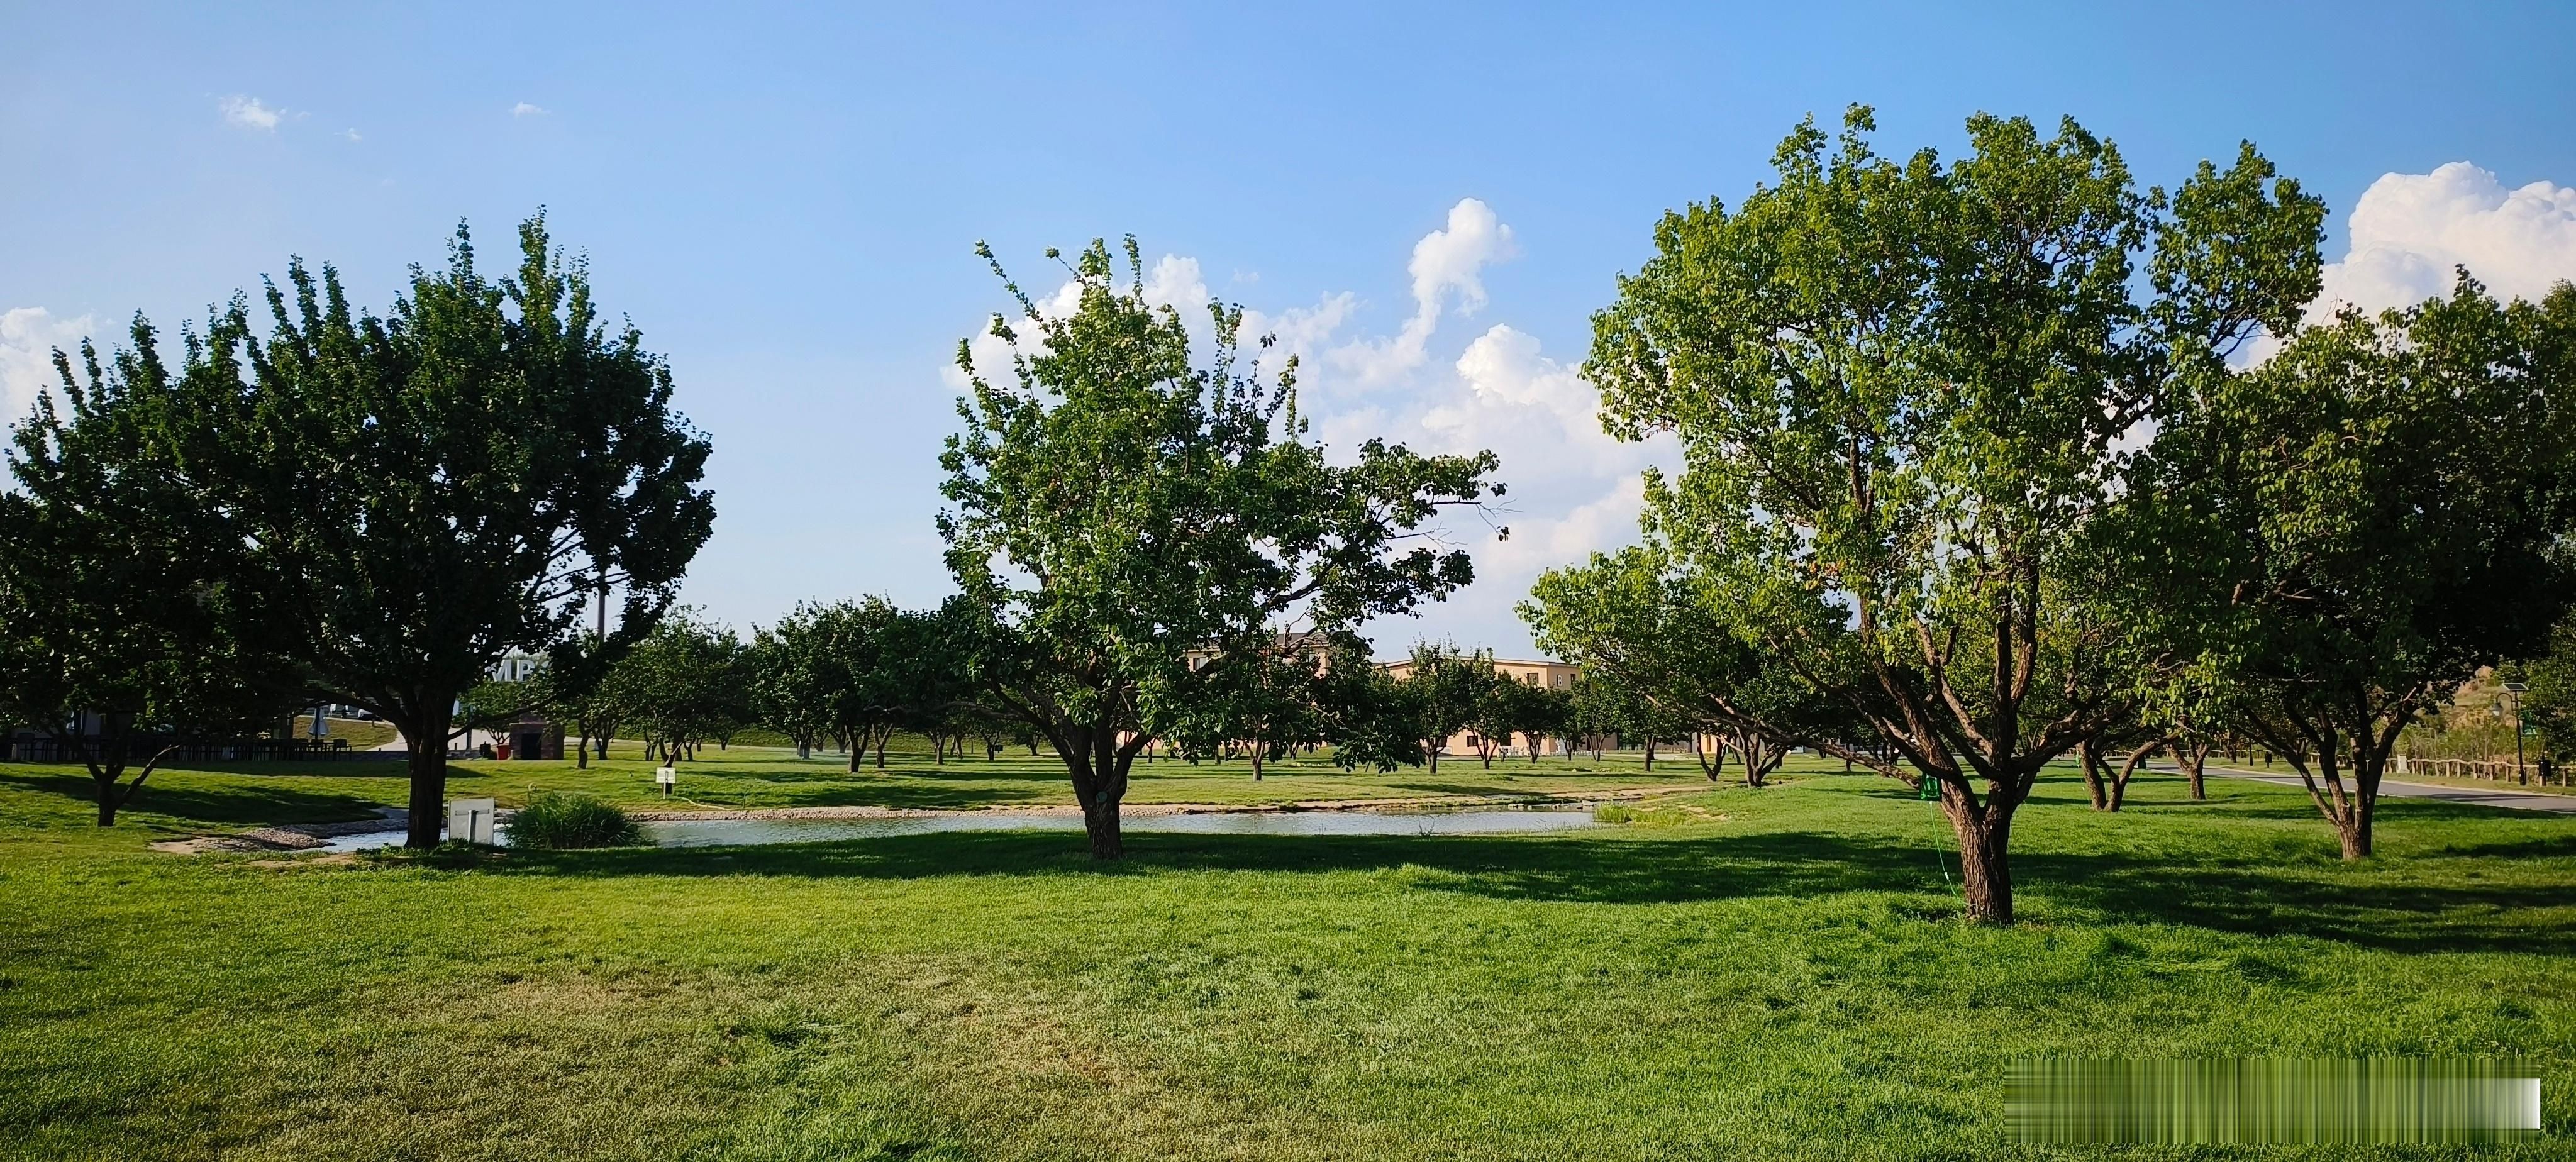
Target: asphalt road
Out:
[2391,788]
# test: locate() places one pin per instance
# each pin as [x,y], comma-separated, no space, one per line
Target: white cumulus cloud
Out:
[28,339]
[524,109]
[1448,262]
[2410,230]
[250,113]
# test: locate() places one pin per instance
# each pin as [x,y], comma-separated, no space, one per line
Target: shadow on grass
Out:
[2375,908]
[203,805]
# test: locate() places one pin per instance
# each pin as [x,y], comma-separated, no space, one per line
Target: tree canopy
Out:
[425,490]
[1903,389]
[122,632]
[2385,507]
[1120,510]
[1666,642]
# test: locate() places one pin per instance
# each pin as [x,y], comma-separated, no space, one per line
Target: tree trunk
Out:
[1100,824]
[2128,767]
[1760,759]
[2349,809]
[1650,756]
[2088,754]
[2193,760]
[1985,866]
[108,799]
[581,753]
[1099,769]
[428,762]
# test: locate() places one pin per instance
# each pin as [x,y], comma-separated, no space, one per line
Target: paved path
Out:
[2391,788]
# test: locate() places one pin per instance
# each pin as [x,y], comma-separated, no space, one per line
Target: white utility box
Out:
[470,821]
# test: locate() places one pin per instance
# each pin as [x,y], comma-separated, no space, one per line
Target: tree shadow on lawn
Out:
[317,768]
[260,805]
[2319,902]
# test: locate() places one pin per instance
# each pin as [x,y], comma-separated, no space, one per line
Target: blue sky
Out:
[786,202]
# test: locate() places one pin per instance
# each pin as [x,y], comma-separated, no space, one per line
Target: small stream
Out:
[741,832]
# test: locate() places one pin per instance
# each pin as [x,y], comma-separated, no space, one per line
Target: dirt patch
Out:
[332,859]
[201,844]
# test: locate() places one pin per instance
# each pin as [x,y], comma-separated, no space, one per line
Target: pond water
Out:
[736,832]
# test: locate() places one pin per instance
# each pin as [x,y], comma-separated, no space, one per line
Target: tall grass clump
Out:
[555,820]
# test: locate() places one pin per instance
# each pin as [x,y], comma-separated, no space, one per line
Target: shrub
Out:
[555,820]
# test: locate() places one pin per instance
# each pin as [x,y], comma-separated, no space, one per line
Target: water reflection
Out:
[739,832]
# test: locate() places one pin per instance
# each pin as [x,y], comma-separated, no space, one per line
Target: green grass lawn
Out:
[323,791]
[1775,974]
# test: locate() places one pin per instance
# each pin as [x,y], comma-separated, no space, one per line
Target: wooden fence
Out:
[2489,770]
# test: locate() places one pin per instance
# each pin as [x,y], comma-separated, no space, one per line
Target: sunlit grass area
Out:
[1721,973]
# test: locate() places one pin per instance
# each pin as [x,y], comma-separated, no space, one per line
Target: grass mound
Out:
[554,820]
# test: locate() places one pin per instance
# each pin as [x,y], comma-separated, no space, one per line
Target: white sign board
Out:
[666,775]
[470,821]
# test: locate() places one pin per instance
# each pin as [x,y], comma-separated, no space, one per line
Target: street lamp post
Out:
[2514,691]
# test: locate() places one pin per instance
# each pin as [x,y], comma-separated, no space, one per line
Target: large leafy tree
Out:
[2549,700]
[459,477]
[901,669]
[1269,701]
[1508,706]
[797,677]
[1902,390]
[1632,621]
[572,687]
[1367,714]
[923,671]
[1443,689]
[683,684]
[1121,509]
[122,634]
[2389,505]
